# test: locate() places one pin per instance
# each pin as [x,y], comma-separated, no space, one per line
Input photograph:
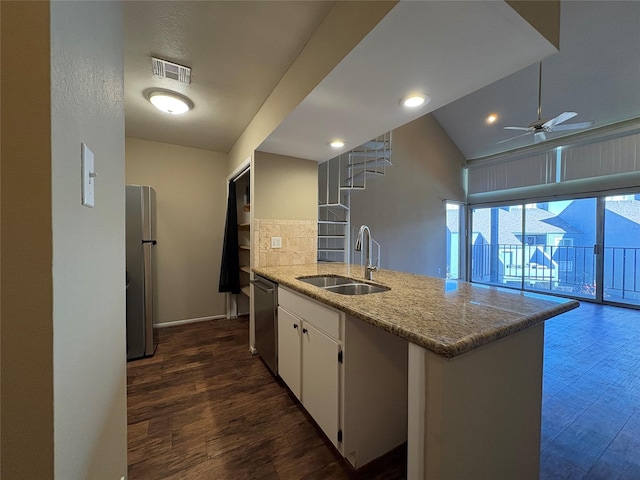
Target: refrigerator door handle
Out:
[152,242]
[149,300]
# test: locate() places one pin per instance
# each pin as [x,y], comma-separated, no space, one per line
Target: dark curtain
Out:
[230,270]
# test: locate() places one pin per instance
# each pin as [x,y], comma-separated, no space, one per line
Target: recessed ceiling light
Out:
[170,102]
[491,118]
[337,144]
[415,100]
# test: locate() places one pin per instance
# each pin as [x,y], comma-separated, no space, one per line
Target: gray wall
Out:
[191,197]
[285,188]
[343,28]
[26,289]
[63,404]
[89,352]
[405,209]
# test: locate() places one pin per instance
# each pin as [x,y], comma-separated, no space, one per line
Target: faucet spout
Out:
[364,236]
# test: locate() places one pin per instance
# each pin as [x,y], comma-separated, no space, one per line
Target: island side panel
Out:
[375,414]
[483,410]
[416,401]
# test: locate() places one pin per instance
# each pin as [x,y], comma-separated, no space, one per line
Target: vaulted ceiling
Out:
[596,74]
[472,58]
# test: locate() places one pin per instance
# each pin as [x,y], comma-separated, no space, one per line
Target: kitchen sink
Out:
[356,289]
[342,285]
[325,281]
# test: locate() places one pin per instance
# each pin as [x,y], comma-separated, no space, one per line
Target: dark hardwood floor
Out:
[591,395]
[203,408]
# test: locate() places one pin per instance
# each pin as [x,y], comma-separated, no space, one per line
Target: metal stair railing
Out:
[337,178]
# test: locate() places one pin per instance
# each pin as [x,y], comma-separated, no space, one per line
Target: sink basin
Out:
[356,289]
[325,281]
[342,285]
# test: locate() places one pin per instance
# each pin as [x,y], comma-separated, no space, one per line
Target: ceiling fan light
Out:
[170,102]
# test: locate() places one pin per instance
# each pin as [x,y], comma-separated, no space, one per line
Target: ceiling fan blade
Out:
[513,138]
[572,126]
[524,129]
[563,117]
[539,137]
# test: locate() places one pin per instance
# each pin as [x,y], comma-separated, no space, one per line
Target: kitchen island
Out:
[474,365]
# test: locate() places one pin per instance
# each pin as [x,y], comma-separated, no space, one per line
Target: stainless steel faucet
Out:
[368,268]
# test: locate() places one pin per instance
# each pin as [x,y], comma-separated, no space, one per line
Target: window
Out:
[565,266]
[542,247]
[455,238]
[494,246]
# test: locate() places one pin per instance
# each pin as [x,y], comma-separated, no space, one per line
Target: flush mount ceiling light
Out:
[170,102]
[337,144]
[491,118]
[416,100]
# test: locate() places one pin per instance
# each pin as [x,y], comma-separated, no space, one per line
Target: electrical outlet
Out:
[276,242]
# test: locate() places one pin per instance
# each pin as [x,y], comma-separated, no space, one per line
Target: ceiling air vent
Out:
[165,69]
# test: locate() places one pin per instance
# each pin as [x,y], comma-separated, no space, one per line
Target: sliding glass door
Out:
[547,247]
[559,245]
[586,248]
[621,252]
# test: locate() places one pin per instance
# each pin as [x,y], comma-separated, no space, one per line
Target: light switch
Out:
[88,177]
[276,242]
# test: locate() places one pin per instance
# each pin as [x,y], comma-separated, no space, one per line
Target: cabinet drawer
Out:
[324,318]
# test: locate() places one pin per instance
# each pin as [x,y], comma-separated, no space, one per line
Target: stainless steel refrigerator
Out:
[142,298]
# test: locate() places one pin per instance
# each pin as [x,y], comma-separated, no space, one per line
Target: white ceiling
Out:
[446,49]
[238,52]
[596,73]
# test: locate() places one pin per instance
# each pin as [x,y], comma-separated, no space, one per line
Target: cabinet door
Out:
[289,331]
[320,379]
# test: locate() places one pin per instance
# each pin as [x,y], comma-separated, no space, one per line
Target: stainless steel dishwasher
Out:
[266,321]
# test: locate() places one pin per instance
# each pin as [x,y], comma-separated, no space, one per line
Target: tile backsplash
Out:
[299,242]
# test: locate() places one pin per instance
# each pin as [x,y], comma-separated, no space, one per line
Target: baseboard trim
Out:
[189,320]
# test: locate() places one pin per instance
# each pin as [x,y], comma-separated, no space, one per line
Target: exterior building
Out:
[542,250]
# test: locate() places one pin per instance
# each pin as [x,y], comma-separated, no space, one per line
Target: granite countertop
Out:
[448,317]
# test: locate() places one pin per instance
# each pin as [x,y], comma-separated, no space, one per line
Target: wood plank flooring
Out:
[203,408]
[591,395]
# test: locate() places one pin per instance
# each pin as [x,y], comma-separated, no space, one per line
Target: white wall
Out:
[191,201]
[89,353]
[404,209]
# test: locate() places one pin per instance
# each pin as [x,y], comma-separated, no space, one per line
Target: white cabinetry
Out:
[309,358]
[289,367]
[349,375]
[320,379]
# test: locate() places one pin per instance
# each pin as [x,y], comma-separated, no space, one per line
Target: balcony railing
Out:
[622,274]
[567,269]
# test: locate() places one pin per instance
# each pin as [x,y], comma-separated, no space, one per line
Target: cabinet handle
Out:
[304,330]
[295,325]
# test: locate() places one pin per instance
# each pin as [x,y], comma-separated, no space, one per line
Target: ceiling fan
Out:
[540,128]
